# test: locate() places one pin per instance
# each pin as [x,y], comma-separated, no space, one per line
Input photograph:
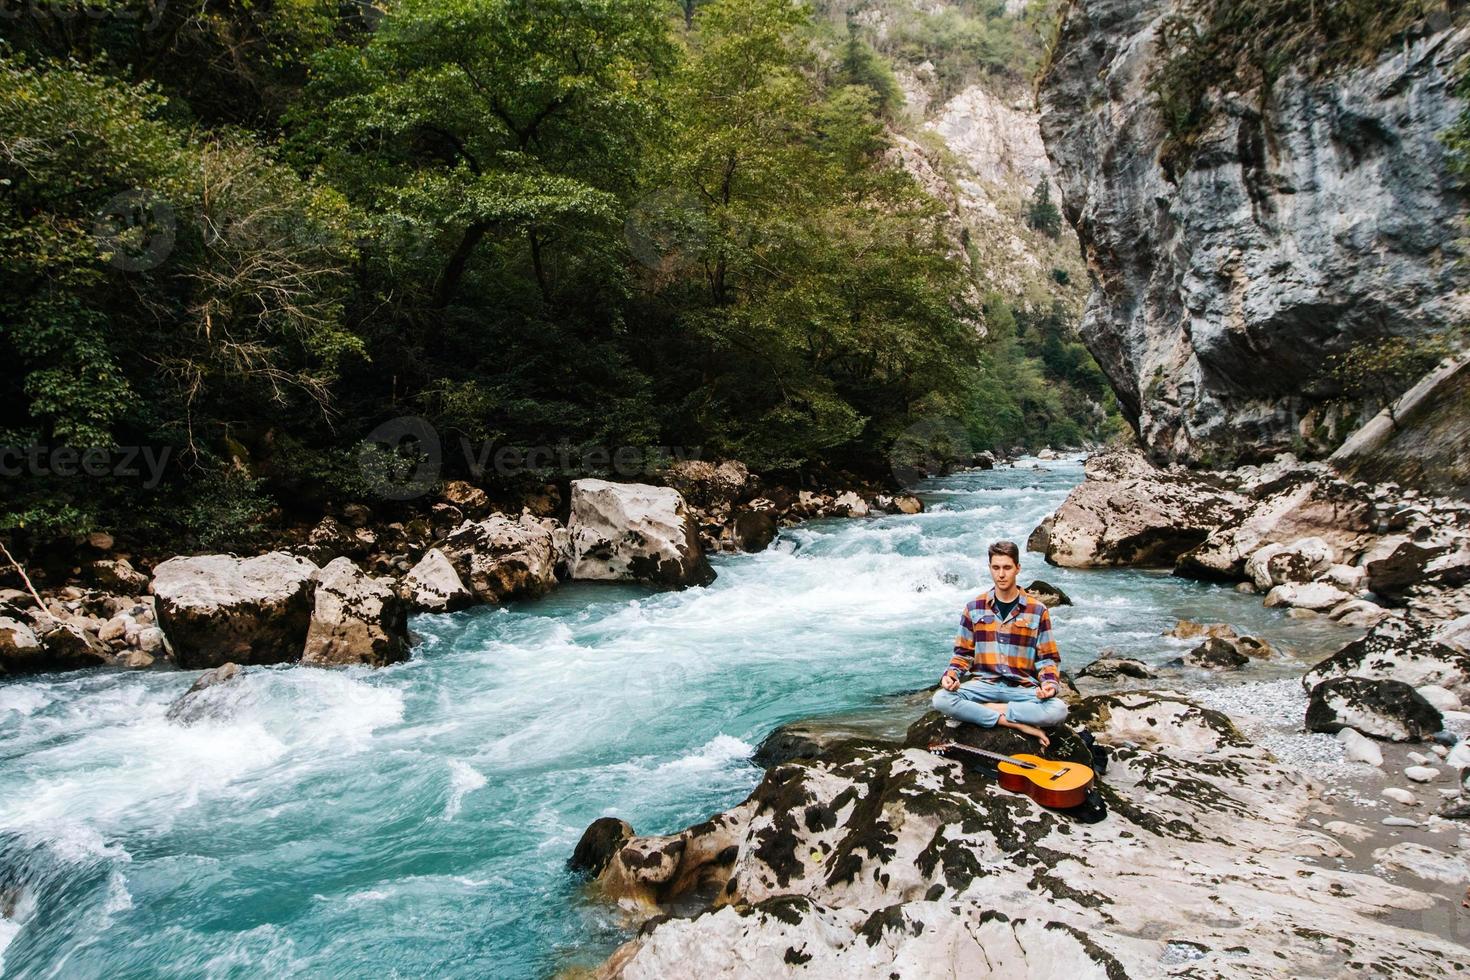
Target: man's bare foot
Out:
[1031,730]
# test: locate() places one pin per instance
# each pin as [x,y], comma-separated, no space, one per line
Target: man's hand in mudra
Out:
[950,681]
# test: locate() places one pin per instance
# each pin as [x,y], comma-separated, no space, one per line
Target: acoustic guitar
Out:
[1051,783]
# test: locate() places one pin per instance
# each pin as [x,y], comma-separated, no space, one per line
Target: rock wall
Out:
[1306,222]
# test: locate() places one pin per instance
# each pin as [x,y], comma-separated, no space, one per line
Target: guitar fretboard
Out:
[996,756]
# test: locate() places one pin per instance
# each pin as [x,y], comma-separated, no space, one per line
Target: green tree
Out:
[860,65]
[1043,215]
[823,302]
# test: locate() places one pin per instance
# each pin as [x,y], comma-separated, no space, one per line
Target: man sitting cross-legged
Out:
[1006,647]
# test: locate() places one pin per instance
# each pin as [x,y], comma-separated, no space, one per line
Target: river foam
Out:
[416,819]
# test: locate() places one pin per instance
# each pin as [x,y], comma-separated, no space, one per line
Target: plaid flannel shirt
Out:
[1020,646]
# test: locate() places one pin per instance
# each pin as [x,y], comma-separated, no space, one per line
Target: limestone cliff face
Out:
[978,151]
[1297,231]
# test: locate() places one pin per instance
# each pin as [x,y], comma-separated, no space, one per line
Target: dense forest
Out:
[246,234]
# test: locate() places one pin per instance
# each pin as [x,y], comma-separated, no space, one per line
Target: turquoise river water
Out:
[415,821]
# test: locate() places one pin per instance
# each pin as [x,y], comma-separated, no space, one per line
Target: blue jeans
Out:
[967,704]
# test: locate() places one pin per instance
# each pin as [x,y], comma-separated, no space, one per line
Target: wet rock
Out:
[470,499]
[1216,654]
[1188,629]
[908,504]
[798,740]
[1400,796]
[849,504]
[1402,650]
[1388,710]
[1356,747]
[217,609]
[118,575]
[355,619]
[330,540]
[499,559]
[1127,512]
[1424,862]
[206,697]
[1111,668]
[753,530]
[434,586]
[634,532]
[1316,596]
[68,646]
[21,651]
[1047,594]
[1039,540]
[600,841]
[1444,700]
[704,484]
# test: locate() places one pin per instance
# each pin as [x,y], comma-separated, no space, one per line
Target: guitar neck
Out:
[994,756]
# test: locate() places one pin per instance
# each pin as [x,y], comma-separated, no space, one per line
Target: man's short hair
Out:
[1007,548]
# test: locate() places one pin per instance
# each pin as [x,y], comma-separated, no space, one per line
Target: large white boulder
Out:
[501,559]
[1399,649]
[1278,564]
[356,619]
[218,608]
[1307,595]
[1384,709]
[1326,514]
[634,532]
[1129,512]
[22,652]
[434,586]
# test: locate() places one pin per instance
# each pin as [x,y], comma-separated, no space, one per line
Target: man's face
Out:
[1003,572]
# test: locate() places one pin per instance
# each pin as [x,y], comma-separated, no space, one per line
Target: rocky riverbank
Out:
[1311,827]
[865,857]
[340,592]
